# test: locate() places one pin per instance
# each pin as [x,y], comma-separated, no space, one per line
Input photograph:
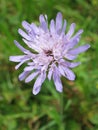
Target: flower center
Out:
[48,52]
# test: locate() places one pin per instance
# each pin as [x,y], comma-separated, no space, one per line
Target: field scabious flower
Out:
[52,52]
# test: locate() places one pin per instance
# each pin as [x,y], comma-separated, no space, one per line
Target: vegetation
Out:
[77,107]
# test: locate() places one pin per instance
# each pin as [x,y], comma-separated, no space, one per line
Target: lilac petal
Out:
[77,34]
[29,29]
[71,30]
[58,21]
[27,52]
[30,63]
[61,70]
[20,47]
[64,62]
[69,73]
[23,75]
[29,68]
[26,25]
[35,28]
[43,76]
[70,57]
[52,26]
[51,69]
[71,64]
[32,45]
[43,23]
[22,61]
[63,28]
[31,76]
[46,17]
[57,81]
[74,42]
[74,64]
[50,74]
[68,64]
[17,66]
[79,49]
[71,44]
[16,58]
[38,83]
[37,86]
[23,34]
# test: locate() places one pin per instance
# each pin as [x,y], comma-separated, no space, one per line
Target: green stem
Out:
[61,112]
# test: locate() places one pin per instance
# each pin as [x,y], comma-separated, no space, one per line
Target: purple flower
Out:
[51,51]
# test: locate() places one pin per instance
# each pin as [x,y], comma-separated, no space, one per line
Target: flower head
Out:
[52,51]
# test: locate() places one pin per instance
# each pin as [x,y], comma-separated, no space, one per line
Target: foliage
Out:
[77,107]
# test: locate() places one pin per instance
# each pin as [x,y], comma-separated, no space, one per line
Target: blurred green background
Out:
[77,107]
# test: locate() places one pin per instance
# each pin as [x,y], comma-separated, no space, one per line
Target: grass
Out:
[77,107]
